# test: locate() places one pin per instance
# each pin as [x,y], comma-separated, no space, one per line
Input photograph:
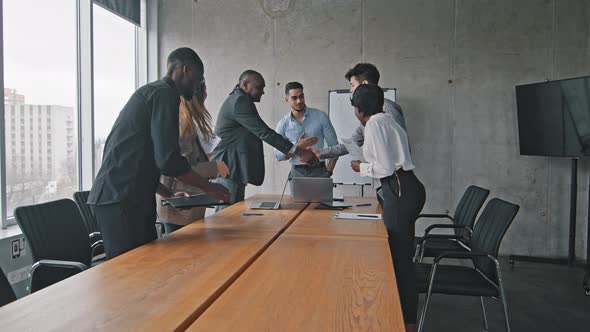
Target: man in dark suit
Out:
[242,131]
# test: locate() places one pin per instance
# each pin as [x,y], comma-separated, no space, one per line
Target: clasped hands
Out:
[304,150]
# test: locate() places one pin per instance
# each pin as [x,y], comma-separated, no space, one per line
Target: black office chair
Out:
[58,240]
[462,225]
[6,293]
[81,197]
[484,278]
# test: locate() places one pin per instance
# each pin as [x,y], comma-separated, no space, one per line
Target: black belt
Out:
[320,165]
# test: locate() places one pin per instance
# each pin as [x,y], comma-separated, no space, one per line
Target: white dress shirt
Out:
[386,147]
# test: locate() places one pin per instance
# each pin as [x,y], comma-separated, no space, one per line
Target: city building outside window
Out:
[37,90]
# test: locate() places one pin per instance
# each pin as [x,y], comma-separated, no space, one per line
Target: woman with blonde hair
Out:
[194,130]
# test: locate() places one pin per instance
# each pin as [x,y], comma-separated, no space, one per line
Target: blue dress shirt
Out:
[315,124]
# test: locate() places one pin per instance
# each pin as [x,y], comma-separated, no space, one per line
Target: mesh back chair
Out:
[462,224]
[484,278]
[58,241]
[6,293]
[81,197]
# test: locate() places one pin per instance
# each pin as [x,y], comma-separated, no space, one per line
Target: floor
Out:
[541,297]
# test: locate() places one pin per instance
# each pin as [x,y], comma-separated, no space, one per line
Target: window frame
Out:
[145,67]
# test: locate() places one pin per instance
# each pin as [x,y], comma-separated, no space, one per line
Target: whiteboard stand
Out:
[354,184]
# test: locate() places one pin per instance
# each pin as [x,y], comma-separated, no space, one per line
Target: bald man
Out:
[242,131]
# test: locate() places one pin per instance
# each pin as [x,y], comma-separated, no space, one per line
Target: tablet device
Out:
[333,205]
[191,201]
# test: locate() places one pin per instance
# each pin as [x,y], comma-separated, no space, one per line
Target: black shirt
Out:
[142,145]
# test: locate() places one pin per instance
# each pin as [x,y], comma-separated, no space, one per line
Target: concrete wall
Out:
[455,64]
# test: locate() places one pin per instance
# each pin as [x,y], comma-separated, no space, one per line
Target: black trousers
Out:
[403,199]
[125,225]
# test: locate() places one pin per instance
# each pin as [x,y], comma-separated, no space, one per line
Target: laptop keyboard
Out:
[267,204]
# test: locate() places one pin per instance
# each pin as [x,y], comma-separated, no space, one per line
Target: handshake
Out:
[305,152]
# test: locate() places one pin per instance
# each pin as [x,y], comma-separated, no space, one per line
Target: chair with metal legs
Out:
[461,223]
[58,240]
[484,279]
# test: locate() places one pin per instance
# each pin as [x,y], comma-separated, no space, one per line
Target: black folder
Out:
[191,201]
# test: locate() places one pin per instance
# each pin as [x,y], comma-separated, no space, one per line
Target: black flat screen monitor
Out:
[554,118]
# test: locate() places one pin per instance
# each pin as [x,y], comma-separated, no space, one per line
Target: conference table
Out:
[292,269]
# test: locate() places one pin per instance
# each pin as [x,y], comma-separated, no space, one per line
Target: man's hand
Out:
[305,143]
[315,152]
[222,168]
[331,165]
[217,191]
[306,156]
[356,165]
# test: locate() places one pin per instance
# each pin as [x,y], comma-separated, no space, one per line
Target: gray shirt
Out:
[390,107]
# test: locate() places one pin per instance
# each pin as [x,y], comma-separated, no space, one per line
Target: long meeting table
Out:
[292,269]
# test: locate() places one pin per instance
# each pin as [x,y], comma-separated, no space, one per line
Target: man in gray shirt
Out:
[362,73]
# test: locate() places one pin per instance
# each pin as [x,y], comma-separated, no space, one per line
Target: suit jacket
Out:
[242,131]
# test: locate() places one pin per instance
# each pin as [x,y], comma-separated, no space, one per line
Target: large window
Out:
[49,49]
[40,101]
[114,72]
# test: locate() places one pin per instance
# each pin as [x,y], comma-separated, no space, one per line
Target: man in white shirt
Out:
[388,159]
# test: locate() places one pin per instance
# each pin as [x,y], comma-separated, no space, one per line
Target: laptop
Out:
[312,190]
[270,205]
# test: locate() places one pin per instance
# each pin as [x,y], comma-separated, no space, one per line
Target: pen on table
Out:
[252,214]
[364,204]
[367,216]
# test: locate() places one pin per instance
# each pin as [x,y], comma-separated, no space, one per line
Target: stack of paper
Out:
[355,151]
[358,216]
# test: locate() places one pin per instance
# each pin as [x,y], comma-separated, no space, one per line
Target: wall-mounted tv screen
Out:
[554,118]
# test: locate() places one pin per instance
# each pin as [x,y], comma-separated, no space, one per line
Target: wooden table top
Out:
[161,286]
[322,222]
[271,221]
[312,283]
[293,269]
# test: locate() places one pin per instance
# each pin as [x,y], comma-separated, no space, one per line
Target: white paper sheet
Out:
[355,151]
[358,216]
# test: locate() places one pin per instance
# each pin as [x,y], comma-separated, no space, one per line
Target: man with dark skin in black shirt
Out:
[142,146]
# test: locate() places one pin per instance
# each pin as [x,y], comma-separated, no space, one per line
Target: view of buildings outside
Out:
[40,101]
[40,151]
[41,124]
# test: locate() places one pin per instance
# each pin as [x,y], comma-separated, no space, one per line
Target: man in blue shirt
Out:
[306,127]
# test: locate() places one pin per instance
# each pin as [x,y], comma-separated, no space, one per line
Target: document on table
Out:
[355,151]
[358,216]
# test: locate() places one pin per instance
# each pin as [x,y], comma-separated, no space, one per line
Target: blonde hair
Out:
[194,119]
